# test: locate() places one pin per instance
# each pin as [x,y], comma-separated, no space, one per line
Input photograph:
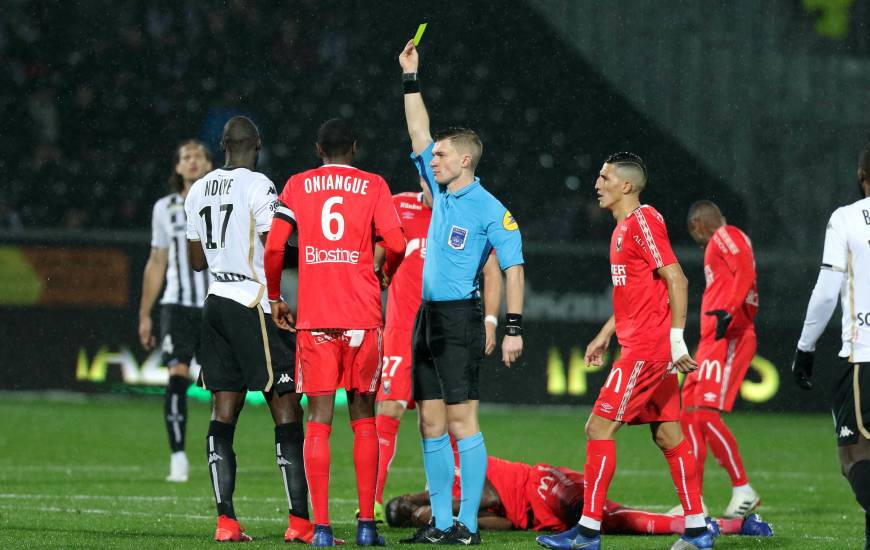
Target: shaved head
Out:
[240,135]
[704,219]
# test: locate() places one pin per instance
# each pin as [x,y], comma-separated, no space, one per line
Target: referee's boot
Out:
[701,542]
[322,536]
[460,534]
[428,534]
[230,530]
[367,534]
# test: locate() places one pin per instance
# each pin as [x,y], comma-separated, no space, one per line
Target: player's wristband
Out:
[678,345]
[410,83]
[513,324]
[276,300]
[492,319]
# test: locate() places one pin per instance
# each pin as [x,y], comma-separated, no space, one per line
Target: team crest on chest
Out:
[619,243]
[458,235]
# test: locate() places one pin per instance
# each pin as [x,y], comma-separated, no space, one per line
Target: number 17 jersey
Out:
[338,210]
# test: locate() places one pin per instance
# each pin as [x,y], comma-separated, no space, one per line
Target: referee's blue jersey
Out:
[465,227]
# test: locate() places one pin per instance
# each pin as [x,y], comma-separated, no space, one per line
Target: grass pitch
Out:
[88,473]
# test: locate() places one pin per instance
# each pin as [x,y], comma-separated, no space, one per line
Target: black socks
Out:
[175,411]
[222,465]
[289,441]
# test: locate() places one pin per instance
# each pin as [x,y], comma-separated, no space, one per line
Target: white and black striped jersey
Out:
[847,249]
[184,286]
[227,211]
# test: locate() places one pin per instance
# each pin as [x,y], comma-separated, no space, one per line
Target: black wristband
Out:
[513,324]
[411,86]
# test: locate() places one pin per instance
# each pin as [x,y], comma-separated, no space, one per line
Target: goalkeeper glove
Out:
[802,368]
[723,319]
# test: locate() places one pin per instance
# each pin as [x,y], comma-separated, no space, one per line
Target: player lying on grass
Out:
[550,498]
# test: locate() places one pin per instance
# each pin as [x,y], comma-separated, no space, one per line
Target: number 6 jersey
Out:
[337,210]
[227,211]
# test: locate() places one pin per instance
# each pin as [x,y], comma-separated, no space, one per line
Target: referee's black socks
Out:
[175,411]
[289,443]
[222,465]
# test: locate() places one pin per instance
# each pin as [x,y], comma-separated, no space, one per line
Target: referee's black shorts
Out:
[243,349]
[851,403]
[448,344]
[180,333]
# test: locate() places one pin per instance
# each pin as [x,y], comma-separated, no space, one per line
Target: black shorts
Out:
[243,349]
[180,333]
[851,403]
[448,344]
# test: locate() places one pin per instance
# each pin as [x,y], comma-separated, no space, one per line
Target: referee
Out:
[845,265]
[448,343]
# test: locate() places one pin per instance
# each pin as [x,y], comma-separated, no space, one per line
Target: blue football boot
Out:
[323,536]
[367,534]
[713,527]
[701,542]
[753,526]
[558,541]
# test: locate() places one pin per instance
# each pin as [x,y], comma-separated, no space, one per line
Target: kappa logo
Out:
[458,235]
[846,432]
[606,407]
[167,345]
[710,397]
[214,457]
[284,378]
[284,462]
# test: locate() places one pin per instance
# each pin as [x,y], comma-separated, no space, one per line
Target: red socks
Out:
[365,462]
[629,521]
[388,430]
[316,454]
[723,445]
[598,472]
[681,461]
[694,432]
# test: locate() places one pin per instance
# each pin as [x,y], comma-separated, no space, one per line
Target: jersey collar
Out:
[468,188]
[336,165]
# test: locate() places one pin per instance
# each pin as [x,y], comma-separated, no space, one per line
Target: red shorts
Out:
[722,365]
[639,392]
[326,361]
[396,372]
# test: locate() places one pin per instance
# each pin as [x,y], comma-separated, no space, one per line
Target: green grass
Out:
[88,473]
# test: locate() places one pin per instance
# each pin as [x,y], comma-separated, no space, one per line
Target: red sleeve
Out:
[653,237]
[274,254]
[737,253]
[386,217]
[394,242]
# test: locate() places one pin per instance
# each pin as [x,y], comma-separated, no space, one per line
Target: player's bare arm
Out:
[196,255]
[152,282]
[379,259]
[678,300]
[415,110]
[512,346]
[492,289]
[598,346]
[273,262]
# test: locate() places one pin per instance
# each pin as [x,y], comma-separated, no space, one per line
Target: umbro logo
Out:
[710,397]
[606,407]
[284,379]
[846,432]
[214,457]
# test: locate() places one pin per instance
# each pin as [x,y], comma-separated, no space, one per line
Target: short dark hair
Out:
[703,208]
[465,139]
[336,137]
[631,160]
[176,182]
[240,134]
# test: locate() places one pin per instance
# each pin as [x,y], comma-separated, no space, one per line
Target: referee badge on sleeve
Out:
[457,237]
[508,221]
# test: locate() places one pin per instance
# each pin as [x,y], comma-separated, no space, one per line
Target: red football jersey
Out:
[406,288]
[338,209]
[639,246]
[729,269]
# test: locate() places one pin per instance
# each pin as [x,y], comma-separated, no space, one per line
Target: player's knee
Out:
[599,428]
[179,369]
[667,435]
[859,478]
[392,409]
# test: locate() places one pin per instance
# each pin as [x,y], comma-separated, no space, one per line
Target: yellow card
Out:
[420,30]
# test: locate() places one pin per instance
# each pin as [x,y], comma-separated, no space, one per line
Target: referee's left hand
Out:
[511,349]
[282,316]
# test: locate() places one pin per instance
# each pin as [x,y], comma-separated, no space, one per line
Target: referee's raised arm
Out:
[415,110]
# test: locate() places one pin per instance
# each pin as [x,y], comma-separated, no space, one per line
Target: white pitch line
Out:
[148,498]
[100,511]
